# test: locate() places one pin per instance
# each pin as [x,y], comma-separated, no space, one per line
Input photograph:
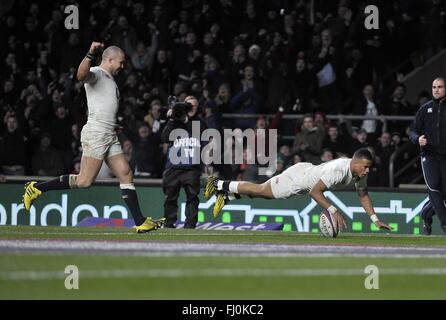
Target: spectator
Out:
[320,120]
[279,87]
[213,75]
[334,141]
[249,80]
[383,152]
[297,158]
[236,65]
[223,99]
[146,159]
[367,106]
[286,157]
[118,30]
[326,155]
[213,48]
[127,149]
[162,71]
[308,141]
[13,148]
[254,57]
[47,161]
[304,84]
[248,102]
[71,53]
[153,118]
[188,57]
[398,105]
[142,56]
[210,116]
[59,128]
[359,142]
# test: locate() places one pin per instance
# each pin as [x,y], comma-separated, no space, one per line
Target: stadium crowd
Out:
[263,57]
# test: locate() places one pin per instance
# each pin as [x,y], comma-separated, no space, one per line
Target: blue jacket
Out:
[430,121]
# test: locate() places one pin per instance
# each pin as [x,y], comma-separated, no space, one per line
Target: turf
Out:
[27,275]
[222,236]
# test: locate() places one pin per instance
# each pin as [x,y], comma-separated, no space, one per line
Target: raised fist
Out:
[95,48]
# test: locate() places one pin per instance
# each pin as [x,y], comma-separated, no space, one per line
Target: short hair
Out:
[333,125]
[111,52]
[144,125]
[363,154]
[439,78]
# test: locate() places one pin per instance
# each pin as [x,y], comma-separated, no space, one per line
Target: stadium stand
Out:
[242,59]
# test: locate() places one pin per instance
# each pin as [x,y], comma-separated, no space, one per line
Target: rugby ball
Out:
[328,225]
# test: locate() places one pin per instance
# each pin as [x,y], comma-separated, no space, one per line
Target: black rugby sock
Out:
[60,183]
[131,200]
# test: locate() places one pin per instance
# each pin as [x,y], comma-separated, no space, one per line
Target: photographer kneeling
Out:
[183,165]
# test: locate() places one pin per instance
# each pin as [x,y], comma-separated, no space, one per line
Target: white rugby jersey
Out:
[103,101]
[335,174]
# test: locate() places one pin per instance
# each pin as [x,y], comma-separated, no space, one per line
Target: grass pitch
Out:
[115,263]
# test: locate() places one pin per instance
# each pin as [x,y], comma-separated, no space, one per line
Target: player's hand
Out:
[95,48]
[422,140]
[382,225]
[340,221]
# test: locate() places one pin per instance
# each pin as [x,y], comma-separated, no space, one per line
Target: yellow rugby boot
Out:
[210,188]
[149,224]
[31,194]
[222,200]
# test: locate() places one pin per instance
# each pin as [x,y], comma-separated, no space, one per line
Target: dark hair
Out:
[144,125]
[333,125]
[402,85]
[363,154]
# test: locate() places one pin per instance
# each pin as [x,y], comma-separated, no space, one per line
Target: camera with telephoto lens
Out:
[179,109]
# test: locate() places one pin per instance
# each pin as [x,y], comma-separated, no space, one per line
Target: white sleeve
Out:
[331,178]
[96,73]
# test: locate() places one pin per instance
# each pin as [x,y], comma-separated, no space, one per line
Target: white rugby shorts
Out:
[99,145]
[289,182]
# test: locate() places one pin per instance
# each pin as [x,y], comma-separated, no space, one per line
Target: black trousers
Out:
[173,180]
[427,211]
[434,171]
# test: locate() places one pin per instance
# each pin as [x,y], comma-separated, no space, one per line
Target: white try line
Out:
[175,248]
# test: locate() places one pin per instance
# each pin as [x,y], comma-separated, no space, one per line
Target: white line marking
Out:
[217,233]
[168,248]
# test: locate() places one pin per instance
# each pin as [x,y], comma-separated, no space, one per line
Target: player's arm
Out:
[417,126]
[317,193]
[366,203]
[83,72]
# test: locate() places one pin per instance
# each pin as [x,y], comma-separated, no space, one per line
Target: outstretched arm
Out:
[83,72]
[317,193]
[366,203]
